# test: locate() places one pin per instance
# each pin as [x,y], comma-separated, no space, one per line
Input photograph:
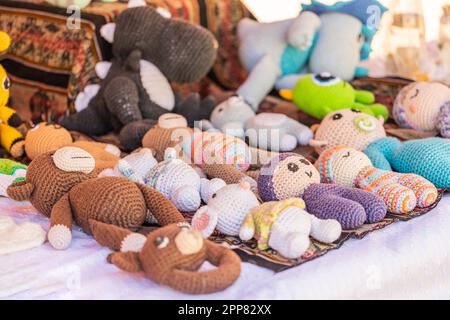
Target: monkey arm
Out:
[228,269]
[60,233]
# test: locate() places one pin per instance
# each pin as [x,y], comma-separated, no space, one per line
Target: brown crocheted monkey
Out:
[171,256]
[63,185]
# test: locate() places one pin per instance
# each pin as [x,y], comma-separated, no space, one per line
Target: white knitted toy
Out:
[174,178]
[226,210]
[15,237]
[269,131]
[285,226]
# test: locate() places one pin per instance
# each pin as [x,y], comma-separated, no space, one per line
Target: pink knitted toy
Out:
[348,127]
[424,106]
[348,167]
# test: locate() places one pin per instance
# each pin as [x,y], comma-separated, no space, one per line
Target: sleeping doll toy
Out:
[429,158]
[402,192]
[291,175]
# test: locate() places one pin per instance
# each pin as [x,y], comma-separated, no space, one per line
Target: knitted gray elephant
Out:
[150,51]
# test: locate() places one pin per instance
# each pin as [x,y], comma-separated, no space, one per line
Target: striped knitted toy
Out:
[424,106]
[401,192]
[291,175]
[428,157]
[218,155]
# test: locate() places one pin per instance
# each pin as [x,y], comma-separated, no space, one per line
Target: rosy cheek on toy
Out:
[412,108]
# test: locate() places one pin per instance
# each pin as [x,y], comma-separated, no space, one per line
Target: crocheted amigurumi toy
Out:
[10,138]
[428,157]
[270,131]
[45,137]
[63,186]
[174,178]
[225,210]
[171,256]
[348,167]
[291,175]
[217,155]
[149,51]
[14,237]
[275,54]
[67,3]
[285,226]
[424,106]
[320,94]
[10,172]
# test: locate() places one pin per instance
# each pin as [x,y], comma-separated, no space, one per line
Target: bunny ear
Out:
[115,238]
[205,221]
[107,31]
[128,261]
[20,191]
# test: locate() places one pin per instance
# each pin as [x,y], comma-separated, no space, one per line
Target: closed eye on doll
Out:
[356,110]
[346,155]
[161,242]
[309,174]
[415,94]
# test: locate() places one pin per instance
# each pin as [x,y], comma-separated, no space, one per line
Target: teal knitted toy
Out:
[429,157]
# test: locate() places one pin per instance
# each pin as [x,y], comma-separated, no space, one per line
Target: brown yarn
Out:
[64,196]
[227,173]
[167,265]
[49,137]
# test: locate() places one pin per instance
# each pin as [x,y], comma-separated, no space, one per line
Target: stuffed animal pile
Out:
[230,174]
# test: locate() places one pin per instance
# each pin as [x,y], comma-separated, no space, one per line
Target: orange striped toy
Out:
[401,192]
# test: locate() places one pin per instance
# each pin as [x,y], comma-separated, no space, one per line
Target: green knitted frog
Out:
[321,94]
[10,172]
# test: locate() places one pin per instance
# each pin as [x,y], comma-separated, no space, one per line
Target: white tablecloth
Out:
[405,260]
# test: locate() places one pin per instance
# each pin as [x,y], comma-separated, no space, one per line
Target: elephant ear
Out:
[116,238]
[127,261]
[20,191]
[205,221]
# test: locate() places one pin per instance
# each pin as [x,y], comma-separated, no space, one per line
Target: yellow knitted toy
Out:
[10,138]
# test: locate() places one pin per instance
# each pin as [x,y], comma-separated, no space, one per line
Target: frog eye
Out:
[325,79]
[161,242]
[305,162]
[293,167]
[6,83]
[337,116]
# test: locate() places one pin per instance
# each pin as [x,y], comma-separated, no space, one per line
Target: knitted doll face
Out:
[286,176]
[350,128]
[418,105]
[341,165]
[52,175]
[44,138]
[5,84]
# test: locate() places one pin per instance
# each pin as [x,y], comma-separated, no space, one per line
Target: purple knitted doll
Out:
[291,175]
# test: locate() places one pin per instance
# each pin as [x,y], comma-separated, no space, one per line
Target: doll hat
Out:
[324,163]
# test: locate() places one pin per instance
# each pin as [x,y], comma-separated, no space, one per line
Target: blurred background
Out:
[413,40]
